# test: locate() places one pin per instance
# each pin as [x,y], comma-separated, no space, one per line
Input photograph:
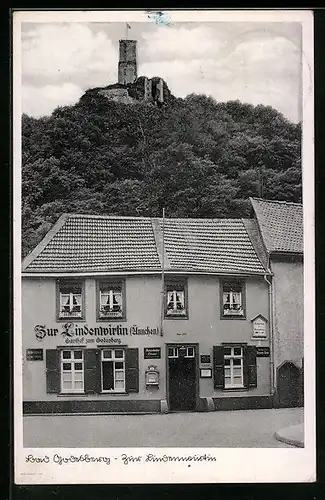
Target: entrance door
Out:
[288,385]
[182,377]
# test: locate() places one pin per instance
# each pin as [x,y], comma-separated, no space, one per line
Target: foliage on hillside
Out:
[196,158]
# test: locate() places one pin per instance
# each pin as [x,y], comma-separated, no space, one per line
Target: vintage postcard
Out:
[164,315]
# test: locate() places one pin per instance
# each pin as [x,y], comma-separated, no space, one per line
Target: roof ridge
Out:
[140,217]
[282,202]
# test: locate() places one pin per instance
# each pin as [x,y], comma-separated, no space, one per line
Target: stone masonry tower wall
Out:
[127,66]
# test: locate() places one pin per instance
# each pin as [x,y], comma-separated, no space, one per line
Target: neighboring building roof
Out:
[281,225]
[88,243]
[212,245]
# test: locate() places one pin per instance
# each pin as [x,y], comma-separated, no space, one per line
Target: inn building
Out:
[131,315]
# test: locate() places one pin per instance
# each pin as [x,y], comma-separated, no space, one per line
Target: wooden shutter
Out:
[132,370]
[52,371]
[92,371]
[218,367]
[250,369]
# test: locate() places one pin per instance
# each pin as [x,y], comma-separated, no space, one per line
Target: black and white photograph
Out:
[164,247]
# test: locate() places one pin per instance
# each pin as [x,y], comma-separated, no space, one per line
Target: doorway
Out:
[182,377]
[289,379]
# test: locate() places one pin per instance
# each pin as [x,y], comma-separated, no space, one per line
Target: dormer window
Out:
[233,299]
[70,300]
[176,298]
[111,300]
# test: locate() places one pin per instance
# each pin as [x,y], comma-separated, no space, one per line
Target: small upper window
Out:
[176,299]
[111,300]
[71,299]
[233,299]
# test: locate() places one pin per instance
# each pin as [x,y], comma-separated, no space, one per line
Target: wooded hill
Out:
[195,156]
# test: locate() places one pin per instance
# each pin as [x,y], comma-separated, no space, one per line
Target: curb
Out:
[281,436]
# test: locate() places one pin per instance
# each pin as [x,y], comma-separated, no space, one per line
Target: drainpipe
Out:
[162,305]
[272,375]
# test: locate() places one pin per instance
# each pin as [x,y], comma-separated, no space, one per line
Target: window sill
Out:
[70,318]
[231,317]
[112,393]
[235,389]
[177,317]
[112,319]
[68,394]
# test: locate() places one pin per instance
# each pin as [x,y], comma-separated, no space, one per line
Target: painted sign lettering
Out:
[152,353]
[263,352]
[34,354]
[72,331]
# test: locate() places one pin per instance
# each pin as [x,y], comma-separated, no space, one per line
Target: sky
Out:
[257,63]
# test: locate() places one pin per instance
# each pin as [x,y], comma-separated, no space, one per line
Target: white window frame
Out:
[232,356]
[67,299]
[112,290]
[231,311]
[171,297]
[175,352]
[113,359]
[72,360]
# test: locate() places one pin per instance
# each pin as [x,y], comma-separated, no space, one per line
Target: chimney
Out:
[127,66]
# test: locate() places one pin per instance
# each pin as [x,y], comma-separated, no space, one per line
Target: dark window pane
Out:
[119,353]
[70,289]
[237,362]
[190,351]
[108,377]
[66,354]
[227,362]
[237,351]
[78,366]
[67,366]
[227,351]
[119,365]
[77,354]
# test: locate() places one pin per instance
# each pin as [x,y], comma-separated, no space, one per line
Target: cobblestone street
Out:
[228,429]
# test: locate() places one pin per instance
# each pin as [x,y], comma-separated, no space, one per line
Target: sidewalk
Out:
[293,435]
[220,429]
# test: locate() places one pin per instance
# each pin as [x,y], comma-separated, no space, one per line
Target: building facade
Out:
[106,330]
[280,226]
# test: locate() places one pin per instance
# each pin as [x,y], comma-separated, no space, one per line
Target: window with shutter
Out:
[52,360]
[72,370]
[113,370]
[132,370]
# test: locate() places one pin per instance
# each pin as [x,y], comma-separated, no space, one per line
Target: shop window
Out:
[234,366]
[70,303]
[113,370]
[111,297]
[176,299]
[72,371]
[232,299]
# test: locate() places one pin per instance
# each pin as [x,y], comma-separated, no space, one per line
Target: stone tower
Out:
[127,66]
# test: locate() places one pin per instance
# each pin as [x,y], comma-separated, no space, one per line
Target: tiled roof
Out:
[281,225]
[87,243]
[212,245]
[94,243]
